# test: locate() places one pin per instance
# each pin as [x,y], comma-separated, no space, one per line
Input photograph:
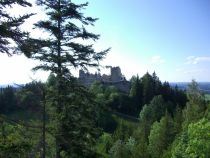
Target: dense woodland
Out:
[63,119]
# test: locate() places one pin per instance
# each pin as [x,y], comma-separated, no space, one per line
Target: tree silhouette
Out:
[62,50]
[12,38]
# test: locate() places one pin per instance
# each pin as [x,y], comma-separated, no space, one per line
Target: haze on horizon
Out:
[168,37]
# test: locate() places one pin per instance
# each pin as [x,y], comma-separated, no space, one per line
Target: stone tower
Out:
[116,74]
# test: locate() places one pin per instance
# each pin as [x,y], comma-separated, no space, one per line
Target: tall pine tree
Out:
[59,52]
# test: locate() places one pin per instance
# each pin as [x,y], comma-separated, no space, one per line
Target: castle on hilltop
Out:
[115,79]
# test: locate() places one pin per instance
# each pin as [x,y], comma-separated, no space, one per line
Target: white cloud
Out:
[196,60]
[194,71]
[191,70]
[157,60]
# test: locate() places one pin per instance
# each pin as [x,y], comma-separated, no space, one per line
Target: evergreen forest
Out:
[61,118]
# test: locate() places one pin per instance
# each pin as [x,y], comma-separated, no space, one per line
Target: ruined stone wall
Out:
[87,78]
[115,79]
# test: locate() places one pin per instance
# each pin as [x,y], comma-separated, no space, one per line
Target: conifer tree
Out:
[148,89]
[161,136]
[61,51]
[196,105]
[136,94]
[12,38]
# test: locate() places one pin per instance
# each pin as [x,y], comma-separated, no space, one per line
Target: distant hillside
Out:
[3,86]
[204,86]
[12,85]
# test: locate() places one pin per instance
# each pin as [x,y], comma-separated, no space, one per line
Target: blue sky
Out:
[168,36]
[171,37]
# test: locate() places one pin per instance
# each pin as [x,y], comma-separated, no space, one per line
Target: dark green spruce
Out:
[60,52]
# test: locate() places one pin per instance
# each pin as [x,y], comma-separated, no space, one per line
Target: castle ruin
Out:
[114,79]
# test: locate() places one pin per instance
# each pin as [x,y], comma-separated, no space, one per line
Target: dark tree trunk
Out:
[44,125]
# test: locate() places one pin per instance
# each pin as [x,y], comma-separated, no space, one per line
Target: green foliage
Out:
[144,89]
[103,96]
[199,139]
[156,140]
[97,88]
[207,97]
[73,111]
[195,96]
[24,98]
[146,121]
[178,120]
[76,122]
[161,136]
[158,107]
[119,150]
[196,106]
[149,114]
[141,149]
[148,88]
[124,130]
[14,141]
[193,139]
[8,100]
[81,112]
[64,50]
[155,133]
[154,111]
[194,142]
[104,144]
[136,94]
[30,96]
[122,149]
[105,120]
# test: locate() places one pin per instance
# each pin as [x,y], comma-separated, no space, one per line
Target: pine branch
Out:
[23,3]
[10,31]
